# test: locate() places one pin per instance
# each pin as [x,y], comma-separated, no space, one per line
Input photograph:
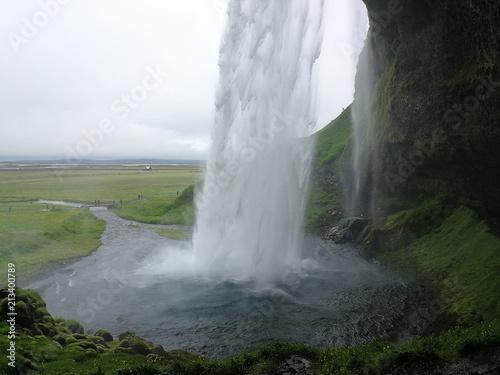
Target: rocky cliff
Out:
[418,153]
[429,81]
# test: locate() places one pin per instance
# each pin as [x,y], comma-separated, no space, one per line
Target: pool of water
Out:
[334,299]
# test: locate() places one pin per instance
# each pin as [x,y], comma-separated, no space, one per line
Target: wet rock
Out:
[349,230]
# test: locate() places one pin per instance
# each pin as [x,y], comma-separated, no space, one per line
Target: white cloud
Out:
[71,67]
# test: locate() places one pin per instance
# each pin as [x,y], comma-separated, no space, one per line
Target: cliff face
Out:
[428,84]
[423,155]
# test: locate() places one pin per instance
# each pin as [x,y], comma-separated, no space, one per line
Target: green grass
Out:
[332,140]
[29,207]
[447,244]
[31,239]
[174,234]
[325,204]
[161,210]
[378,355]
[463,258]
[95,183]
[373,357]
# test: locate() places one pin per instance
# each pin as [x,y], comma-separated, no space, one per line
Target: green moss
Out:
[382,99]
[447,244]
[377,356]
[105,335]
[464,258]
[73,326]
[48,329]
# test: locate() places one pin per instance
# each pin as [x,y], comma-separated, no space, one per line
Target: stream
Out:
[336,299]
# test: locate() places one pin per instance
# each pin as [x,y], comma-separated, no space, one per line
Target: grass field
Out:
[95,182]
[161,210]
[173,233]
[31,236]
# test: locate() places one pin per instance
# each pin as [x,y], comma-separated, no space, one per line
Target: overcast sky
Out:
[133,78]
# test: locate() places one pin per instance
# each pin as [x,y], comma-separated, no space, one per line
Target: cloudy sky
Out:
[133,78]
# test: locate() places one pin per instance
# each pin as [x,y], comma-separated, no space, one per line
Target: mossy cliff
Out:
[424,130]
[429,78]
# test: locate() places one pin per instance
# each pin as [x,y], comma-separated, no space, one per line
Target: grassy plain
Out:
[90,182]
[175,234]
[31,236]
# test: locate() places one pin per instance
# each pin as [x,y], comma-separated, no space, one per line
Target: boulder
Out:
[348,230]
[121,336]
[105,335]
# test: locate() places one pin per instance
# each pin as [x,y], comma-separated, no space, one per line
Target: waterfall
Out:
[360,185]
[250,209]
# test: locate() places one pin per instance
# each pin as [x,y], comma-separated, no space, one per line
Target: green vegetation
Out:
[378,355]
[95,182]
[58,347]
[463,258]
[445,242]
[161,210]
[333,139]
[32,238]
[326,200]
[174,234]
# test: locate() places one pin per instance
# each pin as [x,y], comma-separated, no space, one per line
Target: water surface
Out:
[334,299]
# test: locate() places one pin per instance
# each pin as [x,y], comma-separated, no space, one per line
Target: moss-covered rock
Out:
[48,329]
[97,340]
[123,335]
[123,350]
[61,339]
[73,326]
[137,344]
[105,335]
[85,344]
